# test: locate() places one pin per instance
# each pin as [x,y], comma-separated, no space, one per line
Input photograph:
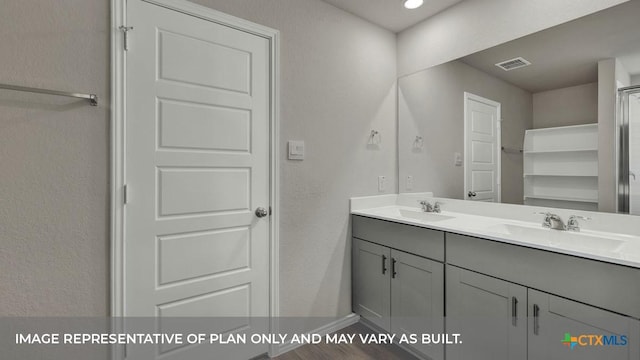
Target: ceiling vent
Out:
[513,64]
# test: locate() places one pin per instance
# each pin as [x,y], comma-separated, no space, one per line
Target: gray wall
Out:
[635,80]
[431,104]
[471,26]
[54,156]
[573,105]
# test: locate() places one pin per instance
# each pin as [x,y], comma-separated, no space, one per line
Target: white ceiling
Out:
[568,54]
[391,14]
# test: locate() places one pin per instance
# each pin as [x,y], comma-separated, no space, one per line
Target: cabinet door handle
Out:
[393,268]
[514,311]
[536,319]
[384,264]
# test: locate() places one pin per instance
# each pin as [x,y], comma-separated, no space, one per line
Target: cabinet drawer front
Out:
[411,239]
[608,286]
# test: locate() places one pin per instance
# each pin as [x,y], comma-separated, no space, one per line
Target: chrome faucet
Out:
[573,225]
[427,207]
[552,221]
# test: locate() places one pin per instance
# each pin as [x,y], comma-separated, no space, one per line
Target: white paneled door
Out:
[482,149]
[197,158]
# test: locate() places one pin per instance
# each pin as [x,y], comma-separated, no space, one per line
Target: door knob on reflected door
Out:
[261,212]
[472,194]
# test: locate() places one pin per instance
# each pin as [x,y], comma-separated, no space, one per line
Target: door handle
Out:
[536,319]
[384,264]
[393,268]
[514,311]
[472,194]
[261,212]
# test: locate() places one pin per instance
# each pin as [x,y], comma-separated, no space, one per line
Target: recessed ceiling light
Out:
[413,4]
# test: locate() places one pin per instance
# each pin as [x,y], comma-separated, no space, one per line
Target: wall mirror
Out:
[534,121]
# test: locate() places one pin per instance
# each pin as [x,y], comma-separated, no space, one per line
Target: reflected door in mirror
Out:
[482,143]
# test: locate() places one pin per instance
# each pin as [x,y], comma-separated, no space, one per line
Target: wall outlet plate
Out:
[382,183]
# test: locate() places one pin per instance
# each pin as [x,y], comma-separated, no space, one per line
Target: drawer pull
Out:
[514,311]
[536,319]
[393,268]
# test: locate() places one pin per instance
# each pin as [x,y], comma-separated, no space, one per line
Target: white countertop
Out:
[611,247]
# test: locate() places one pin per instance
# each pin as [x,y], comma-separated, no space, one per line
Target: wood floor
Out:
[355,351]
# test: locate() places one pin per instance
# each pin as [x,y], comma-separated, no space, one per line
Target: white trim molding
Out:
[118,18]
[118,150]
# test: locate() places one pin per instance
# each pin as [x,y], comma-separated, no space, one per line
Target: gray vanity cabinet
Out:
[492,313]
[393,287]
[371,279]
[506,301]
[552,317]
[486,289]
[399,292]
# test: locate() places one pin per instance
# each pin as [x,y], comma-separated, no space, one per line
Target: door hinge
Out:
[125,31]
[125,198]
[270,212]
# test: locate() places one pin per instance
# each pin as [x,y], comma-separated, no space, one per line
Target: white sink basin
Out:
[423,216]
[575,240]
[561,239]
[630,251]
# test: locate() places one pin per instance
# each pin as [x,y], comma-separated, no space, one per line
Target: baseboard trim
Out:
[329,328]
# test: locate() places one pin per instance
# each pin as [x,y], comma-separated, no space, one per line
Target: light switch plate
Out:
[296,150]
[409,184]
